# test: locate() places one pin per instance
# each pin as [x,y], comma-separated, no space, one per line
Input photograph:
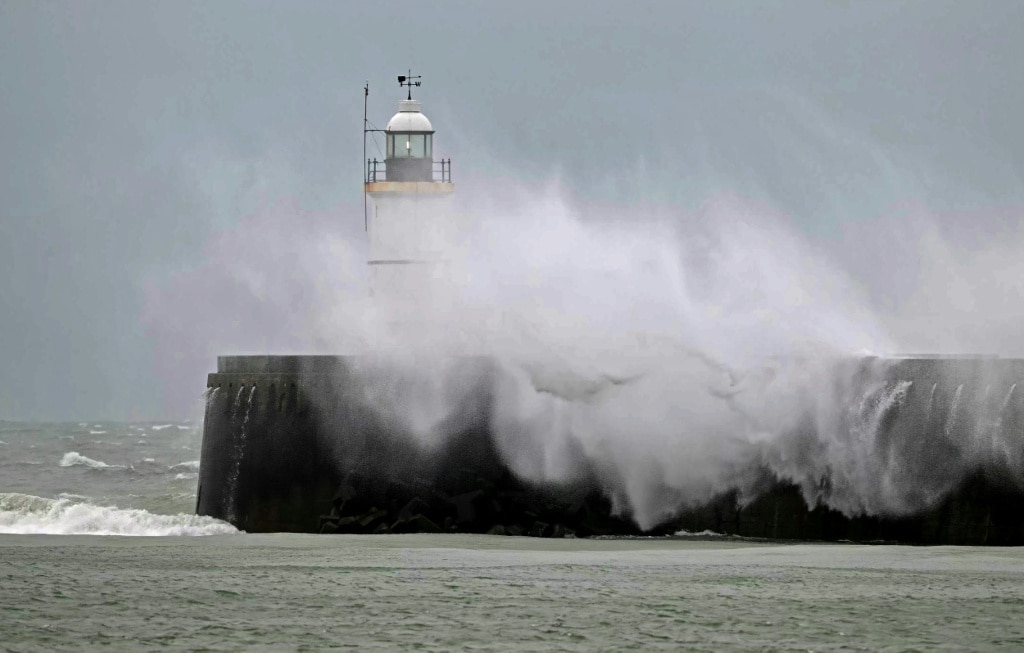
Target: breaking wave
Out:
[143,467]
[27,514]
[73,458]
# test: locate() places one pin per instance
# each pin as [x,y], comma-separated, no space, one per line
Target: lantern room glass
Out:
[407,145]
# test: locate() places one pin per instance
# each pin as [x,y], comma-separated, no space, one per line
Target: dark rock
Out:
[403,526]
[421,524]
[515,530]
[465,506]
[371,517]
[347,525]
[415,506]
[539,529]
[497,529]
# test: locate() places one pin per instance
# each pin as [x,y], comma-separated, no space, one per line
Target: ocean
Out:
[99,549]
[101,478]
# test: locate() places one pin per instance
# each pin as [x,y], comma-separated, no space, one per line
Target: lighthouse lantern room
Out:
[410,141]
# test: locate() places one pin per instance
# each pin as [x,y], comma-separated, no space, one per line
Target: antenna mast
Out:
[366,99]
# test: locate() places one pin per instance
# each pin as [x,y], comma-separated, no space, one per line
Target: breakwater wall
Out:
[307,444]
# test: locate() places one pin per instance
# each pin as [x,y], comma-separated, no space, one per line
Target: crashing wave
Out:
[27,514]
[73,458]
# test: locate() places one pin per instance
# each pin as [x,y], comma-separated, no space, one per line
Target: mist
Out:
[673,354]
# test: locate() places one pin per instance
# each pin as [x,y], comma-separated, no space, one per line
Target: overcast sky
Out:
[132,133]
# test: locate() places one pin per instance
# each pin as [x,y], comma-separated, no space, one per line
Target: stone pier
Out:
[301,444]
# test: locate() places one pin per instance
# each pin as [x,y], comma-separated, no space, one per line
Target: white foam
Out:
[92,432]
[73,458]
[704,533]
[710,534]
[190,465]
[73,497]
[27,514]
[184,428]
[186,477]
[161,427]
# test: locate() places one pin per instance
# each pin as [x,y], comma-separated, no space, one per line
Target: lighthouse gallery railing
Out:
[376,170]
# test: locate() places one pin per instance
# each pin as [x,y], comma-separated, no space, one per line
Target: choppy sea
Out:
[101,478]
[99,549]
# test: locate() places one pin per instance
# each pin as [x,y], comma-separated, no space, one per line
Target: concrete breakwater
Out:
[309,444]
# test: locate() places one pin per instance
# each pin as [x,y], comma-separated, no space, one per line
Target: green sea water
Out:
[71,578]
[486,593]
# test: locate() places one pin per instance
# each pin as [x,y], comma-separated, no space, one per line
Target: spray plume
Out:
[672,356]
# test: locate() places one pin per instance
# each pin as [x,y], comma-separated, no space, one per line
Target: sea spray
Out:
[666,374]
[670,357]
[674,375]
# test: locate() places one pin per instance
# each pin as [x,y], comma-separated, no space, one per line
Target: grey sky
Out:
[131,132]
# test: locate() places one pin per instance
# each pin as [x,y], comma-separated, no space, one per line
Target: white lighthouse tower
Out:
[410,222]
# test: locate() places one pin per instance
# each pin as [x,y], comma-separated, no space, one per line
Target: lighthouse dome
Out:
[409,119]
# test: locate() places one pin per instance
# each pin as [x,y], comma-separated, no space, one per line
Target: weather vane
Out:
[410,81]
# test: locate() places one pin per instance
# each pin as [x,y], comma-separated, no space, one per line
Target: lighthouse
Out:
[323,443]
[409,218]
